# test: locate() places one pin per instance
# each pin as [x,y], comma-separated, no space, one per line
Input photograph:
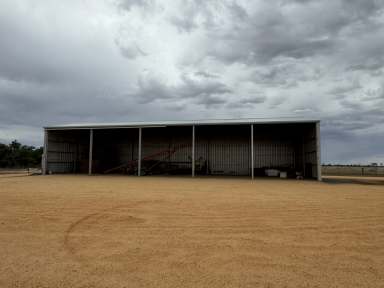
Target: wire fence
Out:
[19,171]
[353,170]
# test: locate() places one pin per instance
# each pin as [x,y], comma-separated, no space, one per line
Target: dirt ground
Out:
[376,180]
[116,231]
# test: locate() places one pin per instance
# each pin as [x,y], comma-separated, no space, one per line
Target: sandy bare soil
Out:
[115,231]
[376,180]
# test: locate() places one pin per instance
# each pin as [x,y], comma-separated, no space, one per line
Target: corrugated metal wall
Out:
[226,149]
[219,150]
[230,158]
[310,153]
[278,153]
[67,151]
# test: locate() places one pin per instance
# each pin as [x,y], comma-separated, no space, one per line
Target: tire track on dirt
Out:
[93,216]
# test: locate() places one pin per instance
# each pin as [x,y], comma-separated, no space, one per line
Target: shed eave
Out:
[159,124]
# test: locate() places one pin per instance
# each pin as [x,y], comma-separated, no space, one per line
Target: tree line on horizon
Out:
[16,155]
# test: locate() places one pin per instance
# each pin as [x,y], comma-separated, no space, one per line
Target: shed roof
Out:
[181,123]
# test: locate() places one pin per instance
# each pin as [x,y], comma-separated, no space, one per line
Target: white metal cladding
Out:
[229,157]
[310,152]
[61,156]
[274,153]
[64,152]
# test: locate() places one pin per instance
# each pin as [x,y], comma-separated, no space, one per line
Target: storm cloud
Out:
[123,60]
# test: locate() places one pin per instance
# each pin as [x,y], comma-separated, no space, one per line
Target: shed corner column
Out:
[90,151]
[252,155]
[193,151]
[139,153]
[44,162]
[318,151]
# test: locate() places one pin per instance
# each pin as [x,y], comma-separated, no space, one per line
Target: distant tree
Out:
[16,155]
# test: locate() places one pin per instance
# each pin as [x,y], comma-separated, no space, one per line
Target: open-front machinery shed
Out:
[248,147]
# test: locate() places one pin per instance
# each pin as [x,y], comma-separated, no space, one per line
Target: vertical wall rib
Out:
[67,151]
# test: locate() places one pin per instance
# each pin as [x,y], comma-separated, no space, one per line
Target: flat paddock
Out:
[116,231]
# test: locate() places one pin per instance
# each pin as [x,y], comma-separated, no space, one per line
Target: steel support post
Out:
[193,151]
[44,163]
[252,155]
[318,151]
[90,151]
[139,156]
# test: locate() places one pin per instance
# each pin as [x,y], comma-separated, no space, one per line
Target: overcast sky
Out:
[109,60]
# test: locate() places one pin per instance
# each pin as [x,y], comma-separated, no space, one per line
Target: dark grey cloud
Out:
[253,100]
[347,125]
[209,100]
[374,94]
[185,23]
[372,66]
[285,75]
[130,50]
[205,91]
[121,60]
[265,30]
[248,102]
[335,150]
[129,4]
[205,74]
[342,91]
